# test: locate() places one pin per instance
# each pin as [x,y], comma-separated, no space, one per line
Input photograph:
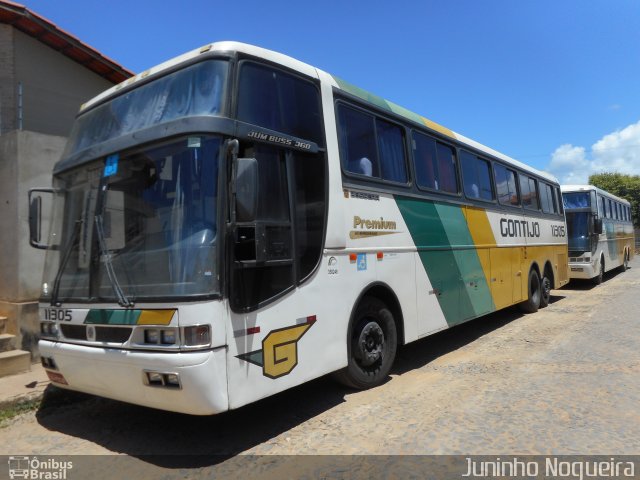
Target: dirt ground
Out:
[565,380]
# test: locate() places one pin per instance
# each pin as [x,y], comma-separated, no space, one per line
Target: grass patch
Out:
[17,409]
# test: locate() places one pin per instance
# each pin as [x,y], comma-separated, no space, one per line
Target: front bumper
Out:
[120,375]
[584,271]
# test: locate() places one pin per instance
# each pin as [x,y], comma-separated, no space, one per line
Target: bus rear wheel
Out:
[532,303]
[372,345]
[545,290]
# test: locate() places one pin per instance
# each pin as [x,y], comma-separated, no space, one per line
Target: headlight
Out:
[48,329]
[151,336]
[168,337]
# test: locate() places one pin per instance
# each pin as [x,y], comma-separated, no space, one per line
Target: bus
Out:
[234,222]
[600,229]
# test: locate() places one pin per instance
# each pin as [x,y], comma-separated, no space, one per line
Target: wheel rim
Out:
[546,288]
[370,344]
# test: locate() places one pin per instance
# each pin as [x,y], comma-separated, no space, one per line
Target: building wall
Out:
[7,84]
[31,156]
[53,86]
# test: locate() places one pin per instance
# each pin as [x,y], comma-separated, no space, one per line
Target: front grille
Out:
[74,332]
[103,334]
[112,334]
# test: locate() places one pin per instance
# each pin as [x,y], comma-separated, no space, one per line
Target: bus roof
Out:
[292,63]
[588,188]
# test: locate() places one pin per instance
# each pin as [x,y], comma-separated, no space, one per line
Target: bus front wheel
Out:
[598,278]
[625,262]
[532,303]
[372,345]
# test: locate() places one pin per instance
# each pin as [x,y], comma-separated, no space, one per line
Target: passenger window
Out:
[435,164]
[476,177]
[559,200]
[506,185]
[546,198]
[533,188]
[600,206]
[358,142]
[362,155]
[392,152]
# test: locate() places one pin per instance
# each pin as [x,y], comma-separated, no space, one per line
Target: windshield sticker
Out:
[111,165]
[193,142]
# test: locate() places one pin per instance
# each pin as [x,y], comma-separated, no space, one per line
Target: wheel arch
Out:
[385,294]
[548,271]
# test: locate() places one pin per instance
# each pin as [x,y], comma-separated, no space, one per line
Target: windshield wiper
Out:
[106,258]
[63,264]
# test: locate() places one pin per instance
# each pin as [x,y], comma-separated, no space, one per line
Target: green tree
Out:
[624,186]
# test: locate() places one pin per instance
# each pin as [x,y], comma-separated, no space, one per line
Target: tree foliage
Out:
[623,186]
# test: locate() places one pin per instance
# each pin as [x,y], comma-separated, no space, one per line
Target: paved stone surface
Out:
[23,387]
[565,380]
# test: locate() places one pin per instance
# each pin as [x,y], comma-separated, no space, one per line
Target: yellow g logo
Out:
[280,350]
[279,354]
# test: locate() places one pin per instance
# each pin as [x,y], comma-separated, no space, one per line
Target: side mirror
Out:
[597,226]
[246,188]
[36,196]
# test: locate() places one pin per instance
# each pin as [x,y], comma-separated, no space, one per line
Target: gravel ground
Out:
[562,381]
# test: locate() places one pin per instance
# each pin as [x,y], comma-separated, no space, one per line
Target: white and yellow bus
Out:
[234,222]
[600,230]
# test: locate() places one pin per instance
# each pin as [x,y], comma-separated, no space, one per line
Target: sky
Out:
[553,83]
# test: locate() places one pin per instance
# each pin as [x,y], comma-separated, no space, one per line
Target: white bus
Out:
[234,222]
[600,229]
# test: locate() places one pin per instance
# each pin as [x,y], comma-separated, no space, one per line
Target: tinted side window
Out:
[476,177]
[545,198]
[600,206]
[424,155]
[447,169]
[435,164]
[391,150]
[506,185]
[279,101]
[371,146]
[358,142]
[528,192]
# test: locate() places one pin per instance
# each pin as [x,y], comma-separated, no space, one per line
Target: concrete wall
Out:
[26,161]
[53,86]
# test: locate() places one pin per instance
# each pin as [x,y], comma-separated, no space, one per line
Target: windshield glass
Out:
[143,223]
[576,200]
[195,90]
[578,228]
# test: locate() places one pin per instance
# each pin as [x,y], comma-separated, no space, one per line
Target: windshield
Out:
[578,228]
[576,200]
[195,90]
[137,225]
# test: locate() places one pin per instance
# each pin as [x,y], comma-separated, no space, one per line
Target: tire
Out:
[598,278]
[532,303]
[545,291]
[625,262]
[371,345]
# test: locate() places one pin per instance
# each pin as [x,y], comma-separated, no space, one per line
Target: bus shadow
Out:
[587,285]
[175,441]
[420,353]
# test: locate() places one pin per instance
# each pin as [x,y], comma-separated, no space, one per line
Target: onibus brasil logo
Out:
[36,469]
